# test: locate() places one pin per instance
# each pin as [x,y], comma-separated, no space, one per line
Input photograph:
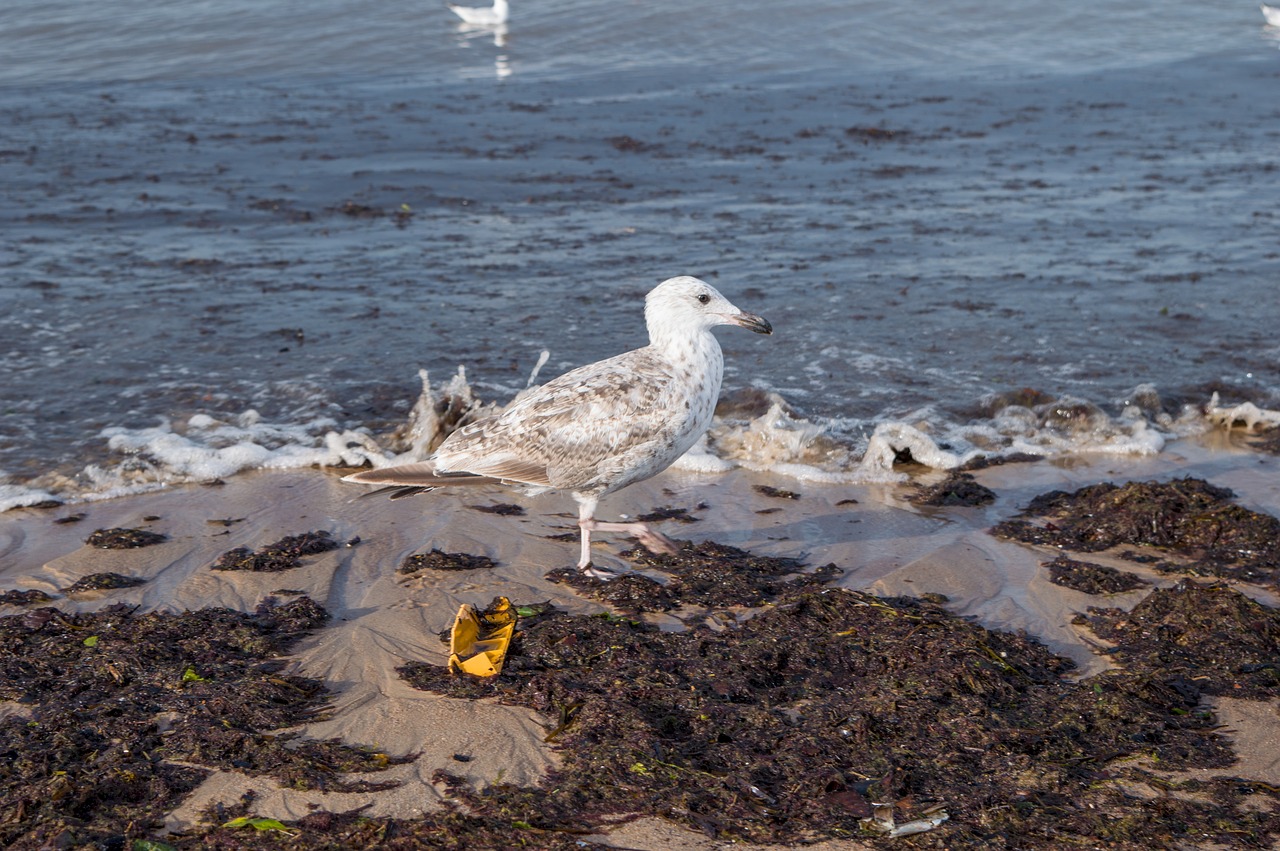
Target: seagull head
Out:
[686,304]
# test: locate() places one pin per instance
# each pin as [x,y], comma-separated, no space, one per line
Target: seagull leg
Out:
[651,539]
[587,507]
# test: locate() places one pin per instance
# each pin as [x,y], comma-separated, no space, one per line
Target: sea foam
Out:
[753,429]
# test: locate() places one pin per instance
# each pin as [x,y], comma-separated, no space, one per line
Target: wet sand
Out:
[382,619]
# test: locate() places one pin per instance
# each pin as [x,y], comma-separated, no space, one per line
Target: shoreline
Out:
[382,619]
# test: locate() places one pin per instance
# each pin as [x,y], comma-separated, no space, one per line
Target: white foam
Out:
[1247,414]
[780,441]
[17,496]
[891,439]
[205,449]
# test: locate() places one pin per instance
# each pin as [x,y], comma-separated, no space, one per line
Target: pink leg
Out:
[651,539]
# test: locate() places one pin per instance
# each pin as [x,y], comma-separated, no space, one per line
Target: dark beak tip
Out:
[755,323]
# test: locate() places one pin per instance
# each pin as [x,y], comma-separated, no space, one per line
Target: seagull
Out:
[1272,14]
[600,427]
[481,16]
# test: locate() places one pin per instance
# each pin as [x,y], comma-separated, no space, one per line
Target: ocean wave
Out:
[753,429]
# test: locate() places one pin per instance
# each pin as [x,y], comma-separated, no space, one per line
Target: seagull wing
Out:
[588,429]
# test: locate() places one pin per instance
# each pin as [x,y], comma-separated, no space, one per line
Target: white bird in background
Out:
[480,16]
[600,427]
[1272,14]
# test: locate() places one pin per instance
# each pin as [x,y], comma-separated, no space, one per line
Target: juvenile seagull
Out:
[600,427]
[482,16]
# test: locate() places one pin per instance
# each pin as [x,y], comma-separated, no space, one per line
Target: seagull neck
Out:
[678,345]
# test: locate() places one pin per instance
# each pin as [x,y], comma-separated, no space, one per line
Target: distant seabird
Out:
[1272,14]
[600,427]
[482,16]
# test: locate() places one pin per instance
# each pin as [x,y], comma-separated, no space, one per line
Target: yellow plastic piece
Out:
[479,642]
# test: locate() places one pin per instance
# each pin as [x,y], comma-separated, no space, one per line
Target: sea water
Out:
[233,233]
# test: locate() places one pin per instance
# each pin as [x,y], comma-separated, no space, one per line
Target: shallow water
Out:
[289,209]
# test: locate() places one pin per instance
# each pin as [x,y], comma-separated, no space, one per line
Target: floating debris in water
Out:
[123,539]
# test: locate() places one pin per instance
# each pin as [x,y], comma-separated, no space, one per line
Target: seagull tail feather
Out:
[409,479]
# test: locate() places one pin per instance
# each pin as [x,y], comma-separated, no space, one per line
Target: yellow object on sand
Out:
[478,644]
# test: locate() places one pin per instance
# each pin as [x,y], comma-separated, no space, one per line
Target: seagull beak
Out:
[752,323]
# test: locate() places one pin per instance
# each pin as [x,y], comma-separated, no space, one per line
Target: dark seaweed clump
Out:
[123,539]
[440,560]
[284,554]
[705,574]
[677,513]
[958,489]
[1268,441]
[24,598]
[776,493]
[1190,517]
[127,712]
[103,582]
[1091,578]
[790,726]
[503,509]
[1202,638]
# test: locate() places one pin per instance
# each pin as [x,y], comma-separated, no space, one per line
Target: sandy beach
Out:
[382,619]
[1011,254]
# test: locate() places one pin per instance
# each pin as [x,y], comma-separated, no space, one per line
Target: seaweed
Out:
[24,598]
[503,509]
[440,560]
[103,582]
[123,539]
[776,493]
[681,515]
[284,554]
[1207,638]
[128,712]
[1090,578]
[1189,517]
[793,725]
[705,574]
[957,489]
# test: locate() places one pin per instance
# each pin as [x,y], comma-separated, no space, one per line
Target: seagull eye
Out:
[704,298]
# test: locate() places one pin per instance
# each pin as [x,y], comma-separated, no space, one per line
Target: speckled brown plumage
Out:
[602,426]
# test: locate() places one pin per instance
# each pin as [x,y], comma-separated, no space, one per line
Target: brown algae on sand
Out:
[103,582]
[958,489]
[440,560]
[284,554]
[814,715]
[123,539]
[1189,518]
[791,726]
[126,713]
[1090,578]
[705,574]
